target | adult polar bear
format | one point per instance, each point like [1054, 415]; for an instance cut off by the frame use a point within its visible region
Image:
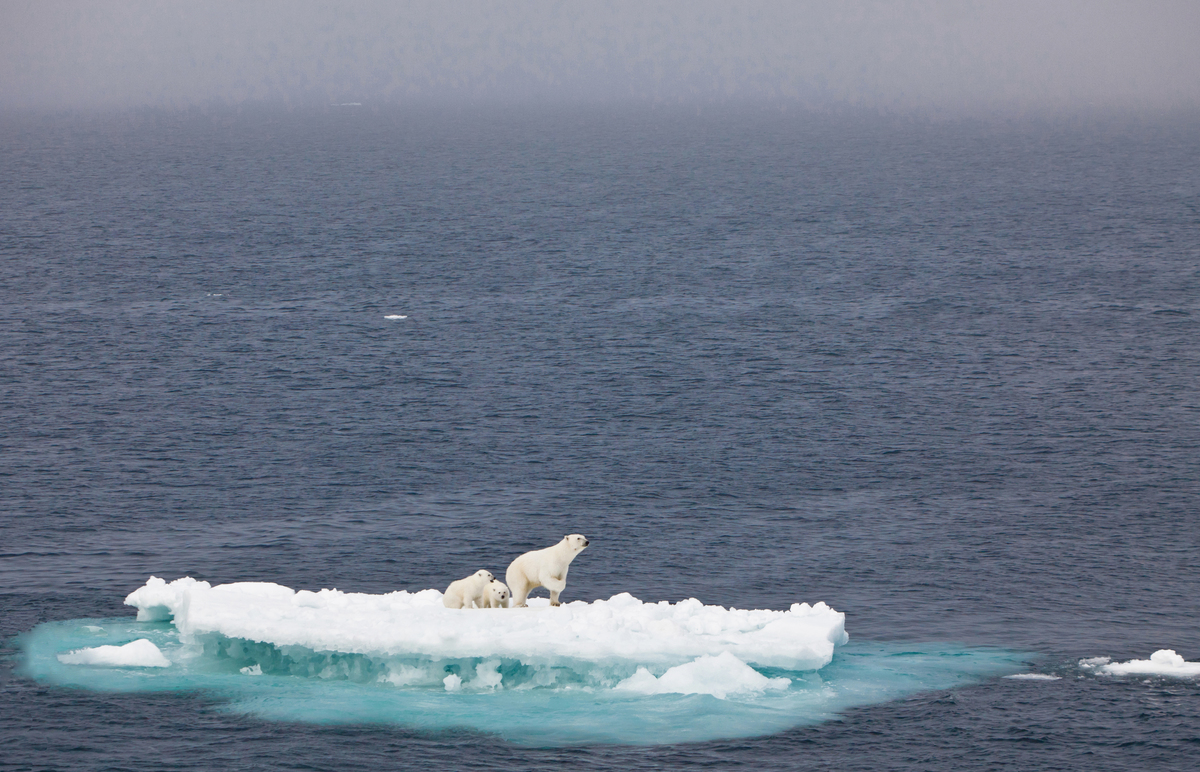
[543, 568]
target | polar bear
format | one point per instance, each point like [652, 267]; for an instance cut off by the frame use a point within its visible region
[470, 592]
[497, 594]
[544, 568]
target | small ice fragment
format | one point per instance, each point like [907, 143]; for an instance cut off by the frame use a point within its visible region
[719, 676]
[1033, 677]
[1164, 662]
[395, 316]
[139, 653]
[1094, 661]
[251, 670]
[93, 628]
[453, 683]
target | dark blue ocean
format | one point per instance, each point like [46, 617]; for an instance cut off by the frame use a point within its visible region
[941, 375]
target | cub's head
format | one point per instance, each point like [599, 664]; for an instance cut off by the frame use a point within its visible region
[576, 541]
[485, 575]
[499, 590]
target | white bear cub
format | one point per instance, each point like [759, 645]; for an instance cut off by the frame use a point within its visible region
[471, 592]
[497, 594]
[544, 568]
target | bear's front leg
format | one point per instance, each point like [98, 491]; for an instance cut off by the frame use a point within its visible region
[555, 585]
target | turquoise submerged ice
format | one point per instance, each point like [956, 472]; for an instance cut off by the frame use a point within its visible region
[616, 670]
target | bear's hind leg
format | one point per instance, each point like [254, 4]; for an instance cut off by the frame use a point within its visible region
[520, 591]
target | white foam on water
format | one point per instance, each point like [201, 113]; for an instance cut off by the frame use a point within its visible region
[1033, 677]
[395, 316]
[139, 653]
[1092, 662]
[1164, 662]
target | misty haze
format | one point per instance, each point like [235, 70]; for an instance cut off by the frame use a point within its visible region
[941, 57]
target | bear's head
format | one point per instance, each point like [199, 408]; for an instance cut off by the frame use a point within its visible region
[485, 575]
[499, 590]
[576, 541]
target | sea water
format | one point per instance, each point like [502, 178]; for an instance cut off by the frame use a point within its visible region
[939, 376]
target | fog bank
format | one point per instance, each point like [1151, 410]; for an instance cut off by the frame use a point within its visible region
[914, 55]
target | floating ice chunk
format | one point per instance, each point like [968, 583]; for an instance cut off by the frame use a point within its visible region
[719, 676]
[621, 629]
[251, 670]
[139, 653]
[395, 316]
[1034, 677]
[453, 683]
[1162, 662]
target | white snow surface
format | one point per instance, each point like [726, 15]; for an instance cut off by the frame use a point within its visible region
[621, 628]
[139, 653]
[719, 676]
[1163, 662]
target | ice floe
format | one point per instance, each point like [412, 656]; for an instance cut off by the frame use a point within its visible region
[621, 629]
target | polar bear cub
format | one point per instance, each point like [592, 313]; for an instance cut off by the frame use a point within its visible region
[497, 594]
[544, 568]
[471, 592]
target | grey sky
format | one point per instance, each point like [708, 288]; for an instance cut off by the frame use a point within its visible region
[910, 54]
